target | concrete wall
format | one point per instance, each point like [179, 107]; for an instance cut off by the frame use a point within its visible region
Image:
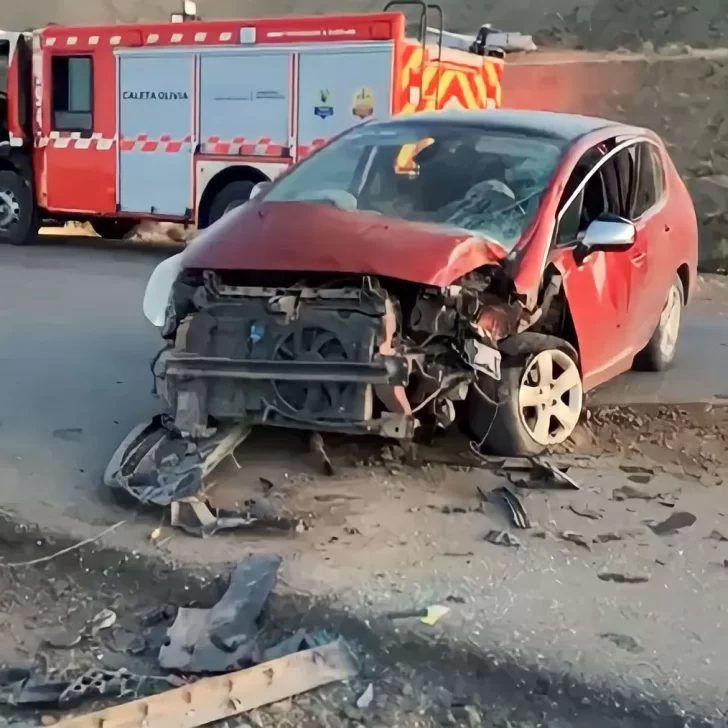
[684, 98]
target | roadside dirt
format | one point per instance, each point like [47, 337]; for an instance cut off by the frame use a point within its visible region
[51, 602]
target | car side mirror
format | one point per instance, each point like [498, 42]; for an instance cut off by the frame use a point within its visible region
[260, 188]
[608, 233]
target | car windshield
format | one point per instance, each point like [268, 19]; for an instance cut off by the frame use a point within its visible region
[456, 176]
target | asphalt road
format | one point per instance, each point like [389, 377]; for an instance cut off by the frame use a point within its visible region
[74, 361]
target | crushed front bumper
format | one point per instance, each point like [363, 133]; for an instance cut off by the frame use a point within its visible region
[315, 359]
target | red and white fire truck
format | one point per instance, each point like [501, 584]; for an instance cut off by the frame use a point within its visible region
[179, 121]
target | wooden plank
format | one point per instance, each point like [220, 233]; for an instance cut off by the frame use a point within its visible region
[225, 696]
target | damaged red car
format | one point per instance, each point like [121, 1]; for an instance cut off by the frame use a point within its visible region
[484, 267]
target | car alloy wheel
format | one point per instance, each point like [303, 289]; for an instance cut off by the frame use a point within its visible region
[550, 397]
[670, 323]
[9, 210]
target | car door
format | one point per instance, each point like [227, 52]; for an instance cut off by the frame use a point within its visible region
[605, 290]
[656, 264]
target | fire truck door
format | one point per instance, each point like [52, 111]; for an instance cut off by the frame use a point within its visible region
[156, 133]
[342, 86]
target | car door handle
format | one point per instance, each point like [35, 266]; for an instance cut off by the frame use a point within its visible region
[638, 258]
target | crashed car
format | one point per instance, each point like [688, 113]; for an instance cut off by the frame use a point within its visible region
[486, 267]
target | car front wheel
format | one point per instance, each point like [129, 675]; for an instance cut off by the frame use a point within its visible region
[537, 403]
[660, 352]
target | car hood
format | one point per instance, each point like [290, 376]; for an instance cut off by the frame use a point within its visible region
[306, 237]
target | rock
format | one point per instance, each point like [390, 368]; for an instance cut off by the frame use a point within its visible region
[48, 720]
[502, 538]
[623, 578]
[716, 535]
[623, 641]
[676, 522]
[576, 538]
[366, 698]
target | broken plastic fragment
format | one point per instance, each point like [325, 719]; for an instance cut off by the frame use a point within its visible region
[434, 614]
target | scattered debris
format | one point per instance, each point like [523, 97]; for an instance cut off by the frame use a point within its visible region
[541, 474]
[318, 448]
[623, 641]
[628, 492]
[103, 620]
[585, 512]
[716, 535]
[96, 682]
[640, 478]
[576, 538]
[434, 614]
[225, 696]
[502, 538]
[518, 514]
[636, 470]
[225, 637]
[676, 522]
[157, 466]
[366, 698]
[623, 578]
[197, 518]
[124, 641]
[609, 537]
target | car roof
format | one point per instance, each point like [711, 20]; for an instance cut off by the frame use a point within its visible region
[550, 124]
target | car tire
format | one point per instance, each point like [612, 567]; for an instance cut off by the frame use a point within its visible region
[660, 352]
[111, 228]
[233, 195]
[19, 218]
[518, 416]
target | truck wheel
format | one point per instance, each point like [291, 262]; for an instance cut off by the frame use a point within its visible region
[660, 352]
[233, 195]
[113, 229]
[536, 404]
[19, 220]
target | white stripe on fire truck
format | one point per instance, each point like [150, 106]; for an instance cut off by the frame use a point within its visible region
[151, 39]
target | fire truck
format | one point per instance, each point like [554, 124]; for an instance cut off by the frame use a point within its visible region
[180, 121]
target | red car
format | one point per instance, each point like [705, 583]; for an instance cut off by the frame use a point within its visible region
[489, 267]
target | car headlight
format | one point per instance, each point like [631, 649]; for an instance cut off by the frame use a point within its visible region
[159, 289]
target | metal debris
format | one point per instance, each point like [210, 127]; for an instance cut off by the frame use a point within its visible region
[225, 637]
[541, 474]
[676, 522]
[518, 514]
[502, 538]
[103, 620]
[100, 682]
[585, 512]
[576, 538]
[318, 448]
[197, 518]
[623, 578]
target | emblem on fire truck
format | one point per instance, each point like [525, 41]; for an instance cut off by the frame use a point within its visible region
[363, 105]
[324, 109]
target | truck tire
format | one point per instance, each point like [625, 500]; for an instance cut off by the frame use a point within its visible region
[504, 421]
[113, 228]
[19, 219]
[233, 195]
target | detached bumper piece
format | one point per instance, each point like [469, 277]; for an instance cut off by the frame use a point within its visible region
[155, 466]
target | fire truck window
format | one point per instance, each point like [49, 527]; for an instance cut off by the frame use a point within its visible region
[72, 84]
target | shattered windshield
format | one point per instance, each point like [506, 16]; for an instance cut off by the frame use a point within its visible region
[452, 175]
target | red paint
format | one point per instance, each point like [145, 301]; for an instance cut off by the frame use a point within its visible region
[307, 237]
[615, 298]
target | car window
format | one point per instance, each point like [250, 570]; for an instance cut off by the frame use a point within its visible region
[452, 175]
[651, 183]
[610, 191]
